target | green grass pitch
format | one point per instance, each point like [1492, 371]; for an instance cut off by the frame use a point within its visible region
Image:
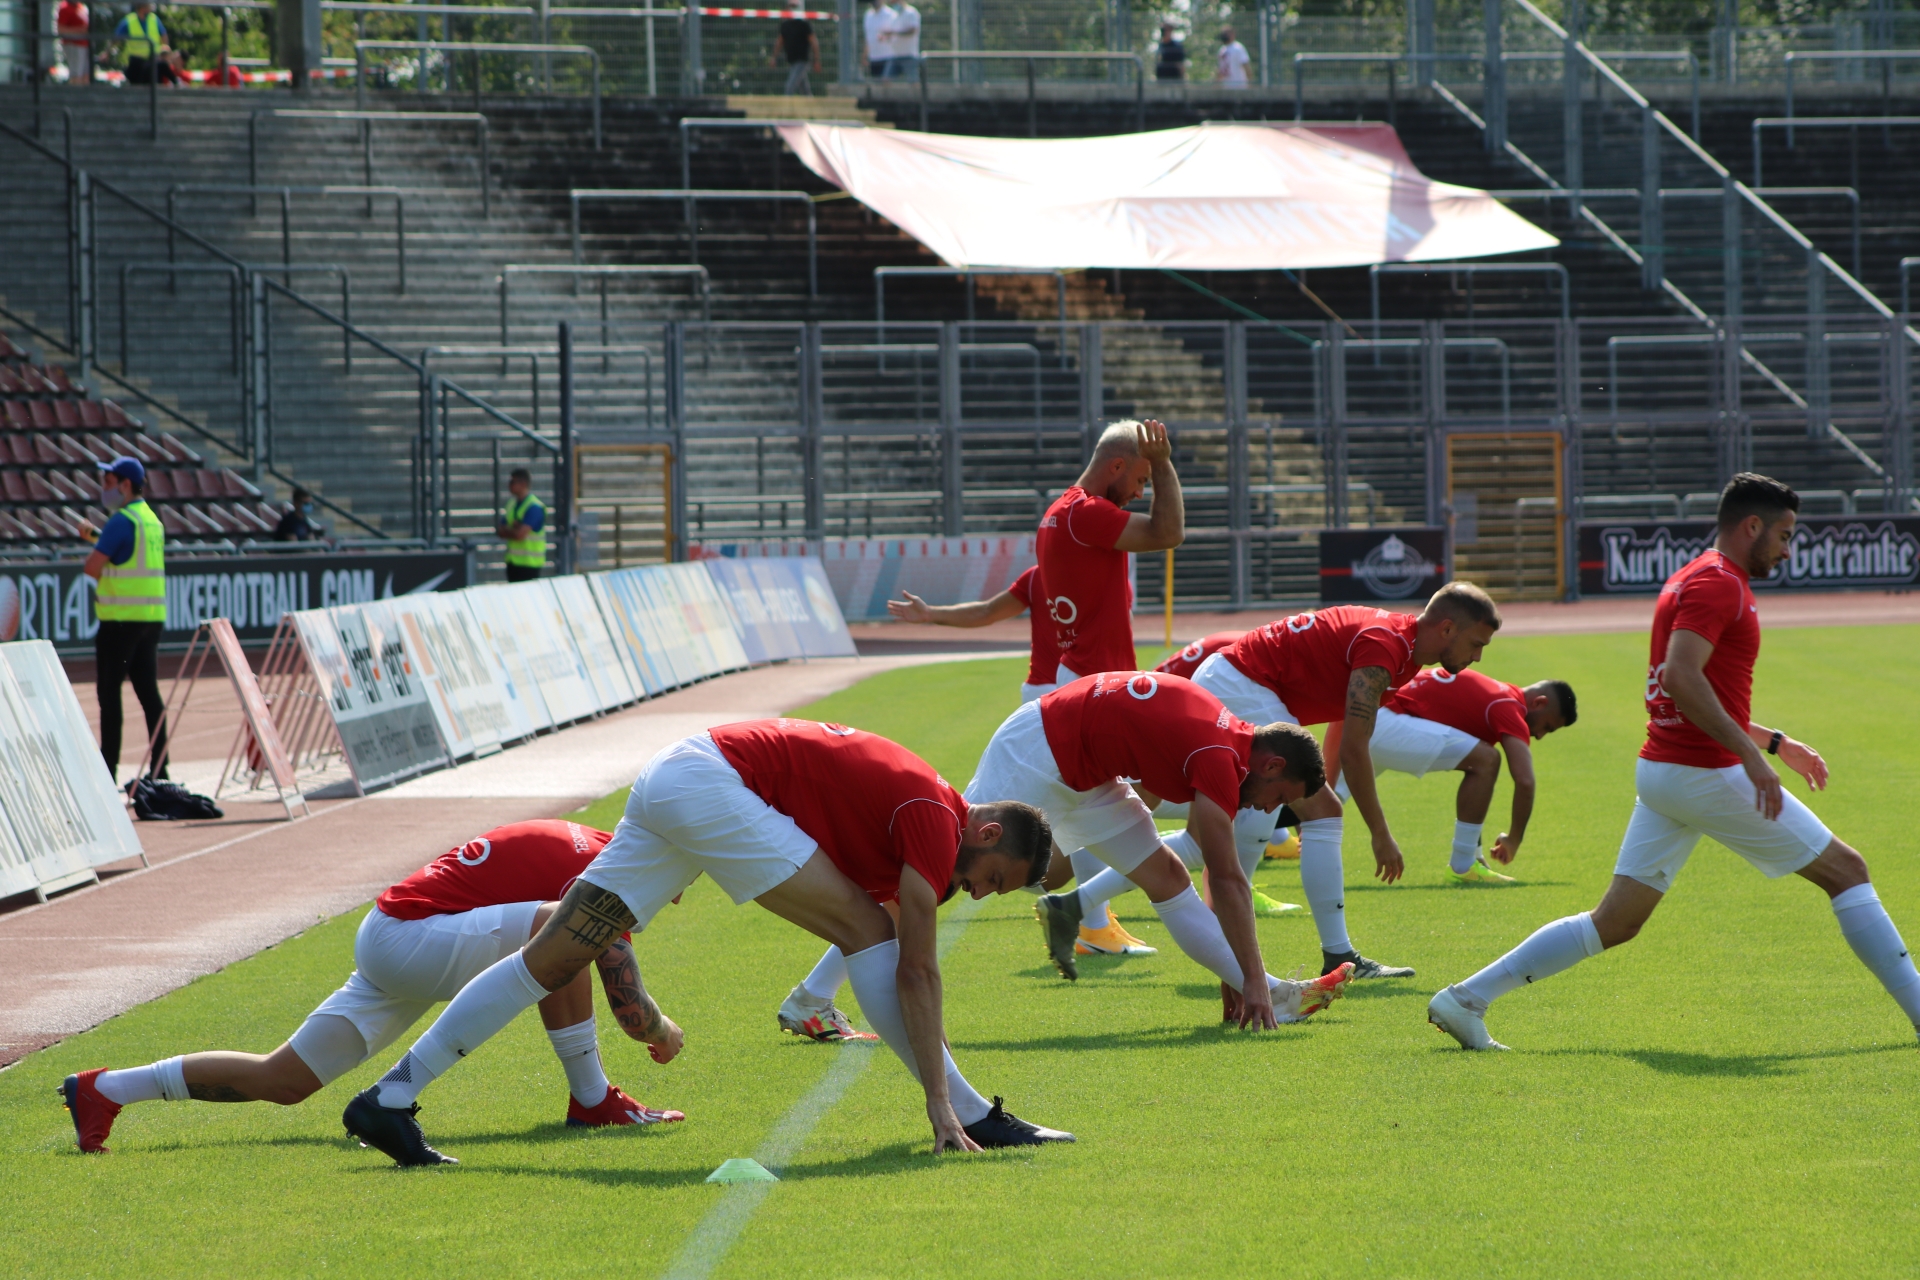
[1730, 1094]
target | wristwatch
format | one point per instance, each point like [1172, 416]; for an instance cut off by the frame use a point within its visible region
[1773, 747]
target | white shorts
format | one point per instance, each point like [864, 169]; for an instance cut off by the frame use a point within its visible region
[402, 968]
[690, 812]
[1408, 744]
[1241, 694]
[1034, 692]
[1062, 674]
[1678, 803]
[1110, 822]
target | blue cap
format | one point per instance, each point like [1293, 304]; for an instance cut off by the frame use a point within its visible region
[127, 468]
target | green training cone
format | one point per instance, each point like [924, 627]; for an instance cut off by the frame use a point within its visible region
[741, 1171]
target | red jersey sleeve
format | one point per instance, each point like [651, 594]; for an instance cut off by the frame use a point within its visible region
[1509, 719]
[1708, 603]
[926, 837]
[1215, 773]
[1377, 647]
[1095, 522]
[1021, 588]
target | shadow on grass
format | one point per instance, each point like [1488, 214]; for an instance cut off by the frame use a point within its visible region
[1141, 1038]
[902, 1157]
[539, 1135]
[1374, 886]
[1678, 1062]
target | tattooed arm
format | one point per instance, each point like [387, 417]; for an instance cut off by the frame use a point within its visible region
[1364, 689]
[632, 1007]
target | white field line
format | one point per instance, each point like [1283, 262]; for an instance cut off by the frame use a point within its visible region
[724, 1223]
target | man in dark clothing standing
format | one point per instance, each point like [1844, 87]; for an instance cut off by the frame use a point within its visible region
[800, 47]
[1170, 60]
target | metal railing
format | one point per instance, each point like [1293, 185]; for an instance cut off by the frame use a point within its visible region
[883, 274]
[367, 119]
[286, 195]
[1885, 57]
[689, 198]
[476, 48]
[1470, 270]
[1030, 57]
[688, 124]
[605, 272]
[1791, 124]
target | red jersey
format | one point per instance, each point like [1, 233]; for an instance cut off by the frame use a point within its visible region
[871, 805]
[523, 862]
[1042, 657]
[1186, 661]
[1169, 733]
[1470, 702]
[1307, 659]
[1712, 597]
[1088, 596]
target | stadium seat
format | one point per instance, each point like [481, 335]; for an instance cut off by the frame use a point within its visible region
[18, 417]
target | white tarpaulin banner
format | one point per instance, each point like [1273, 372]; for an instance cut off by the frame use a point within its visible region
[1226, 197]
[576, 609]
[511, 645]
[377, 700]
[468, 701]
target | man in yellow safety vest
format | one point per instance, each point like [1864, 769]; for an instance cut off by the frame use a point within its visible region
[523, 527]
[143, 38]
[129, 563]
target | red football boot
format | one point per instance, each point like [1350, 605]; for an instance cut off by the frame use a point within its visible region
[93, 1114]
[615, 1108]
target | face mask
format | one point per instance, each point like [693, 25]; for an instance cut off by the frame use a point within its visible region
[112, 499]
[306, 508]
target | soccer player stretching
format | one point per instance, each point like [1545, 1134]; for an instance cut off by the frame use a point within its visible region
[1702, 772]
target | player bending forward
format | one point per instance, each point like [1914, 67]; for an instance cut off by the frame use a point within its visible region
[1067, 753]
[819, 824]
[424, 940]
[1334, 666]
[1443, 720]
[1702, 772]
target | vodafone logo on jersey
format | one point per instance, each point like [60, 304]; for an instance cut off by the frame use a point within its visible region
[1192, 652]
[839, 730]
[1143, 686]
[1063, 611]
[1300, 622]
[481, 849]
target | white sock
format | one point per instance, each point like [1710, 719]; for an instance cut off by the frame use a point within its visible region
[1093, 911]
[875, 975]
[1107, 885]
[578, 1049]
[1197, 931]
[1466, 846]
[1872, 935]
[485, 1005]
[1552, 948]
[1253, 831]
[165, 1079]
[1325, 883]
[827, 976]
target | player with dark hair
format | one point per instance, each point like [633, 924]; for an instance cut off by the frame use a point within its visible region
[1442, 720]
[1067, 754]
[1704, 772]
[819, 824]
[422, 941]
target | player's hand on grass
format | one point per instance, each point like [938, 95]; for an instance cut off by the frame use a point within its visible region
[1504, 849]
[1229, 1004]
[912, 609]
[666, 1044]
[1767, 795]
[1155, 446]
[1256, 1008]
[1805, 761]
[948, 1134]
[1388, 865]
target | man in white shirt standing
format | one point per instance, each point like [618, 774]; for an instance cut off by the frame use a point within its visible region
[879, 40]
[1234, 61]
[903, 30]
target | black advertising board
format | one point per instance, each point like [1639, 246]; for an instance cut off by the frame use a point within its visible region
[1361, 566]
[1828, 553]
[55, 601]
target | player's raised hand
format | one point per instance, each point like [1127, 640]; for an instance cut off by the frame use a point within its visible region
[1766, 786]
[1388, 865]
[1504, 849]
[948, 1133]
[912, 609]
[1155, 445]
[667, 1041]
[1805, 761]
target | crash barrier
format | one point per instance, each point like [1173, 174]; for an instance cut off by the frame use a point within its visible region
[60, 813]
[864, 573]
[415, 683]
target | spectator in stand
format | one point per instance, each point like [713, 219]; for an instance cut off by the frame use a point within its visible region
[129, 564]
[1234, 61]
[523, 527]
[797, 42]
[73, 23]
[171, 67]
[904, 30]
[879, 40]
[143, 38]
[225, 76]
[1170, 59]
[298, 524]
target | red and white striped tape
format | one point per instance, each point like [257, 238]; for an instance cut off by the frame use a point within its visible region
[817, 15]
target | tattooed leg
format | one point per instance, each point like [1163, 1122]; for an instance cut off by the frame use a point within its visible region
[279, 1077]
[588, 921]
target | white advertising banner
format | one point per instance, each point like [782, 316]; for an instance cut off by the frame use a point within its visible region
[531, 610]
[62, 813]
[507, 642]
[576, 610]
[625, 635]
[1215, 196]
[469, 702]
[375, 695]
[704, 614]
